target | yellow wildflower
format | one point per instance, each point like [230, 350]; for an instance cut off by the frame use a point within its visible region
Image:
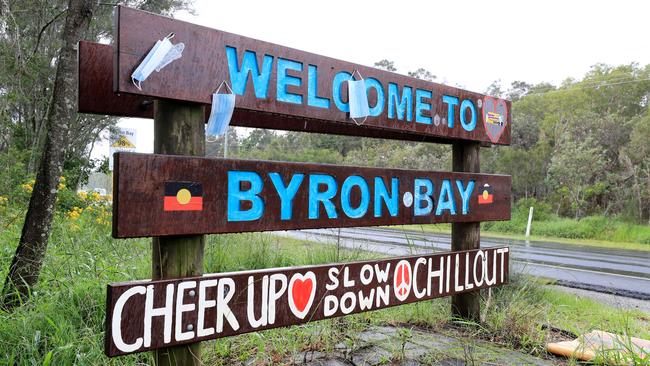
[95, 196]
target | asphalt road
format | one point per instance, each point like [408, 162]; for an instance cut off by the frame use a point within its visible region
[620, 272]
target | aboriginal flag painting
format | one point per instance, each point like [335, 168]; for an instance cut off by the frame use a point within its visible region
[183, 196]
[485, 194]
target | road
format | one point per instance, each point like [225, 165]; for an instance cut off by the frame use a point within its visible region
[620, 272]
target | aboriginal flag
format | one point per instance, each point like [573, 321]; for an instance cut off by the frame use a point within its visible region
[183, 196]
[485, 194]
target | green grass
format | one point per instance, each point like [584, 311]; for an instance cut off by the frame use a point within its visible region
[62, 323]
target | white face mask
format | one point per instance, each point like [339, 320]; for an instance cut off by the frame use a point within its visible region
[162, 53]
[358, 99]
[222, 107]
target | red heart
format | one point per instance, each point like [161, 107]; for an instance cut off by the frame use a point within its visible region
[301, 293]
[497, 121]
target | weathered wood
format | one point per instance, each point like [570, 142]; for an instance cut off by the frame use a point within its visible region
[96, 96]
[227, 304]
[146, 202]
[178, 130]
[297, 87]
[467, 235]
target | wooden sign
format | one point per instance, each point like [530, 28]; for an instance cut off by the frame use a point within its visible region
[288, 89]
[145, 315]
[158, 195]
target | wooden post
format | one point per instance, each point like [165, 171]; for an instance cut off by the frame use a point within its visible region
[178, 130]
[466, 235]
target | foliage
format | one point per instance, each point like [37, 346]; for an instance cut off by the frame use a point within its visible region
[580, 148]
[63, 322]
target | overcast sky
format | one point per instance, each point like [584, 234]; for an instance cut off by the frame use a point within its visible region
[465, 43]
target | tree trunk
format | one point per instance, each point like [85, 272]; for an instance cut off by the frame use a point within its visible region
[28, 259]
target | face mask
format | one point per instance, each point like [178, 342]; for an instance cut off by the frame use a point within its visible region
[358, 100]
[174, 54]
[162, 53]
[222, 107]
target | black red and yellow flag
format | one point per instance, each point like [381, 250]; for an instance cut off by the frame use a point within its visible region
[183, 196]
[485, 194]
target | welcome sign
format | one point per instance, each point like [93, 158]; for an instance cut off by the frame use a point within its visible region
[144, 315]
[193, 195]
[292, 88]
[278, 87]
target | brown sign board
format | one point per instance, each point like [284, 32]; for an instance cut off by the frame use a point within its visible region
[159, 195]
[145, 315]
[283, 88]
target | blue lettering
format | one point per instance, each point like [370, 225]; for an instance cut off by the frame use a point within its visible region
[339, 79]
[381, 193]
[465, 193]
[405, 104]
[315, 180]
[312, 89]
[446, 200]
[285, 80]
[422, 106]
[463, 106]
[379, 106]
[419, 197]
[239, 77]
[236, 195]
[346, 189]
[451, 101]
[286, 194]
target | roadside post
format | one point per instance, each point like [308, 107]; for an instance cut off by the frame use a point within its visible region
[530, 221]
[176, 195]
[178, 130]
[466, 236]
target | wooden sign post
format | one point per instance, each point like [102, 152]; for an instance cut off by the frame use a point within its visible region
[176, 196]
[466, 236]
[178, 130]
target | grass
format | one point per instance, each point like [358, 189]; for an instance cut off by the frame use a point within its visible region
[62, 323]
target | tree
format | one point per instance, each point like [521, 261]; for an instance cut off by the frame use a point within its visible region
[386, 65]
[422, 74]
[575, 167]
[26, 264]
[37, 108]
[495, 89]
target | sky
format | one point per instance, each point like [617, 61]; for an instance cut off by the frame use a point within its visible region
[464, 43]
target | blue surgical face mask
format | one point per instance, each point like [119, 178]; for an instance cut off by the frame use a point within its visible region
[153, 59]
[222, 107]
[358, 99]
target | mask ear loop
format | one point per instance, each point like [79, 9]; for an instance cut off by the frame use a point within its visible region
[216, 91]
[352, 79]
[137, 85]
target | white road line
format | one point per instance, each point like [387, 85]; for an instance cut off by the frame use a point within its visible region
[582, 270]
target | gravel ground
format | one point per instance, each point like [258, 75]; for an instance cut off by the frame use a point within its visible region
[612, 300]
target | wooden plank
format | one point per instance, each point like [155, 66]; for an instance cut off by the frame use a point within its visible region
[298, 88]
[95, 91]
[227, 196]
[178, 129]
[96, 96]
[189, 310]
[466, 235]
